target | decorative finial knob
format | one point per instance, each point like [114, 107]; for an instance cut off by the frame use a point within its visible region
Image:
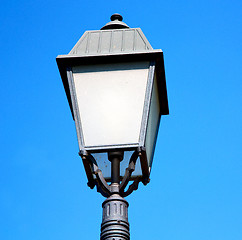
[116, 16]
[116, 23]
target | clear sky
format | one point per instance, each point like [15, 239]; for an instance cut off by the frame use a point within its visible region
[196, 185]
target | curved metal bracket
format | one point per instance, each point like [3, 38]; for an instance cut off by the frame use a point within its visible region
[106, 190]
[134, 186]
[101, 184]
[91, 182]
[128, 172]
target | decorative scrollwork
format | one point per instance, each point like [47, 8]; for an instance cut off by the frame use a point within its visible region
[99, 181]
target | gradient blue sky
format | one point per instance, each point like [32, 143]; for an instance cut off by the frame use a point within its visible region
[196, 186]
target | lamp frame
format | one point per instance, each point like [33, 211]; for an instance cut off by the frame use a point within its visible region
[156, 67]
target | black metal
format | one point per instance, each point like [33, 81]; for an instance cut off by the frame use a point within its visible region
[115, 157]
[128, 172]
[102, 186]
[115, 225]
[116, 16]
[91, 182]
[88, 169]
[134, 186]
[115, 170]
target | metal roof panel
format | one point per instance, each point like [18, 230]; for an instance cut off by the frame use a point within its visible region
[129, 40]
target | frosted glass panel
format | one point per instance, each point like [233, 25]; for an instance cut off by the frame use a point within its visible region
[153, 123]
[110, 100]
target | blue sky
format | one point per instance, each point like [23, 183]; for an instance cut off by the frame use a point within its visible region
[196, 186]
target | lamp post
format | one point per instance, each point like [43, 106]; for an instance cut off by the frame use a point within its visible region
[116, 88]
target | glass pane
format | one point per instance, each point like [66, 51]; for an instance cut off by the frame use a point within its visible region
[153, 123]
[110, 100]
[105, 165]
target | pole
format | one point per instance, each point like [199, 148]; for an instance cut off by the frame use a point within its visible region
[115, 225]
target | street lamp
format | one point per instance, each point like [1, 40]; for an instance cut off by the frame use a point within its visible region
[116, 88]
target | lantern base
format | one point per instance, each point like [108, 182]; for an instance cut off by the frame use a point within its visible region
[115, 225]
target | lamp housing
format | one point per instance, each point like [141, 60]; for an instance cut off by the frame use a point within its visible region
[116, 88]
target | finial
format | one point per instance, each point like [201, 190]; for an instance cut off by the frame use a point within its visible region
[116, 23]
[116, 16]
